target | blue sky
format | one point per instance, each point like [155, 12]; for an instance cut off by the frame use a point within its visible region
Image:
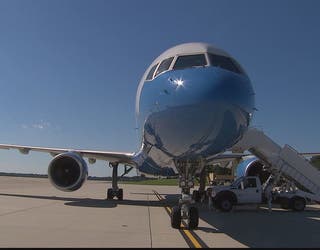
[69, 69]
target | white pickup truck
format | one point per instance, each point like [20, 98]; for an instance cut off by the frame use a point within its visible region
[248, 190]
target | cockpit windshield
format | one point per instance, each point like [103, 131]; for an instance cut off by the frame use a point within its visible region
[190, 61]
[195, 60]
[164, 65]
[150, 74]
[225, 63]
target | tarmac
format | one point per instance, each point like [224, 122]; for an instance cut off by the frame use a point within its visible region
[35, 214]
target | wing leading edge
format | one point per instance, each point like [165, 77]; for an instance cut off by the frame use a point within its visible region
[92, 155]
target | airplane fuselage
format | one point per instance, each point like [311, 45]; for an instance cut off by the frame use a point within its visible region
[189, 113]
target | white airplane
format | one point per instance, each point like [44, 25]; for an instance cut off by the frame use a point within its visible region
[193, 103]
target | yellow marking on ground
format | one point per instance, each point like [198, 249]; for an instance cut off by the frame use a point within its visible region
[183, 228]
[193, 240]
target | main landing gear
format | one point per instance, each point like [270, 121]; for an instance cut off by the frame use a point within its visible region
[115, 191]
[186, 209]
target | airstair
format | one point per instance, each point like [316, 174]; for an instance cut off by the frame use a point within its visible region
[284, 161]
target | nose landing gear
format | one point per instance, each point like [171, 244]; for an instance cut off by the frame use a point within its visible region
[186, 210]
[188, 213]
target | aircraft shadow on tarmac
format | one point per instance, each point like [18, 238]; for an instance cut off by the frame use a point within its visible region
[259, 228]
[99, 203]
[251, 227]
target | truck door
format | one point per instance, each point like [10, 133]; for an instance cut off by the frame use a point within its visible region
[249, 192]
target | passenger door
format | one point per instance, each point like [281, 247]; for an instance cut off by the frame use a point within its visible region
[248, 192]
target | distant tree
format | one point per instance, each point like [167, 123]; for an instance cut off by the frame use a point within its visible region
[315, 161]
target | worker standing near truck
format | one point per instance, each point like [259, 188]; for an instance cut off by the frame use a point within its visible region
[268, 192]
[209, 195]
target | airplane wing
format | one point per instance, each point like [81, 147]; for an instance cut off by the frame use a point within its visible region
[92, 155]
[228, 157]
[120, 157]
[224, 158]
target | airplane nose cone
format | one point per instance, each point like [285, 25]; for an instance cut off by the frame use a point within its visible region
[199, 111]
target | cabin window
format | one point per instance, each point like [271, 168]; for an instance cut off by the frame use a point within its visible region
[225, 63]
[164, 65]
[150, 75]
[190, 61]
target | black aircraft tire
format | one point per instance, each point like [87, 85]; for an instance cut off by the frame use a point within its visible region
[193, 220]
[120, 194]
[109, 194]
[196, 195]
[176, 217]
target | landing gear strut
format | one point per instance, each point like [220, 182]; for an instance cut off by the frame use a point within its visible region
[200, 194]
[186, 209]
[115, 191]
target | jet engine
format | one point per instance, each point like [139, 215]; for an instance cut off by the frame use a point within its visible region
[253, 167]
[68, 171]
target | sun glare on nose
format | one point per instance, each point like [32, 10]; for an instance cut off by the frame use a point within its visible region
[178, 82]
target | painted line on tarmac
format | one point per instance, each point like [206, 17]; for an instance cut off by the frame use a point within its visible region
[192, 239]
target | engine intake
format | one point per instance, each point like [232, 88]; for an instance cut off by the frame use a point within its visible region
[253, 167]
[68, 171]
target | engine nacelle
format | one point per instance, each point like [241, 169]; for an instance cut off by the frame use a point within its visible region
[253, 167]
[68, 171]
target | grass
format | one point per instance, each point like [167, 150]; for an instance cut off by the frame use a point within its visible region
[164, 182]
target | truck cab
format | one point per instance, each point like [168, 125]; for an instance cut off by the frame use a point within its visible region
[244, 190]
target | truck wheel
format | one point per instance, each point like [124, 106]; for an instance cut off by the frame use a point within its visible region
[285, 203]
[225, 204]
[298, 204]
